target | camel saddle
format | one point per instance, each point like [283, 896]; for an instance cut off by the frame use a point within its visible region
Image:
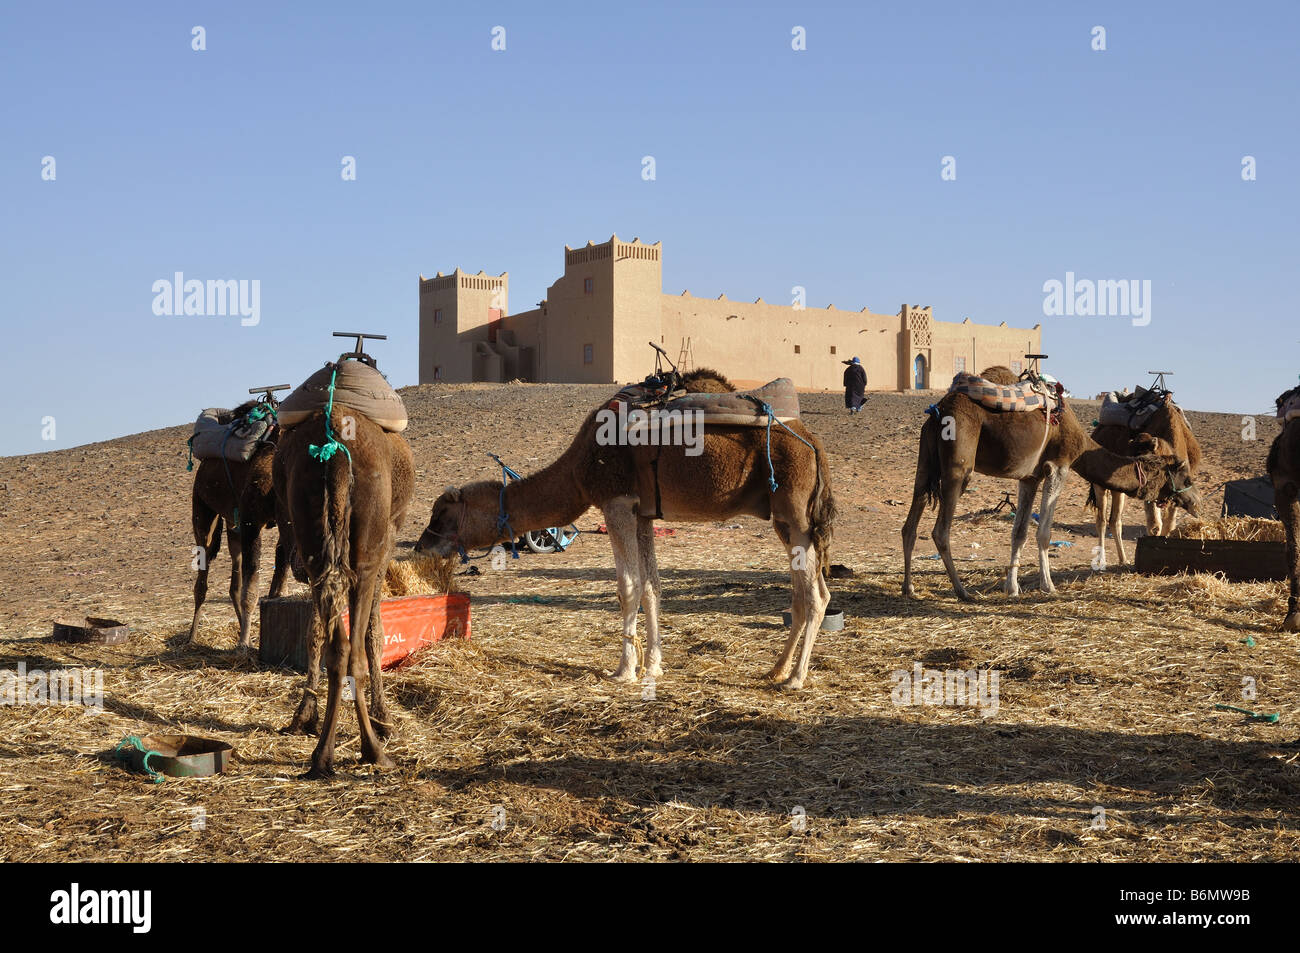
[1123, 409]
[730, 409]
[218, 434]
[358, 386]
[1026, 394]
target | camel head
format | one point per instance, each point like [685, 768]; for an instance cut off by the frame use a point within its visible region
[1157, 456]
[463, 517]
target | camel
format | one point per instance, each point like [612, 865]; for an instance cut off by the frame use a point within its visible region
[1174, 437]
[1284, 471]
[728, 479]
[346, 512]
[1019, 446]
[221, 486]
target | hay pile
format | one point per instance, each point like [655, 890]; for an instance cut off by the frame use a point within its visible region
[1242, 528]
[420, 576]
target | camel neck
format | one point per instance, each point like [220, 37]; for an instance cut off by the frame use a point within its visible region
[544, 499]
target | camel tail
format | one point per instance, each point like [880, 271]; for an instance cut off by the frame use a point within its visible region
[822, 512]
[335, 581]
[1091, 502]
[928, 464]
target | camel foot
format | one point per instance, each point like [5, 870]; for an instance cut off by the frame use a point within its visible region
[1292, 623]
[317, 773]
[302, 726]
[654, 671]
[792, 684]
[380, 760]
[964, 595]
[1047, 590]
[779, 673]
[624, 675]
[383, 727]
[909, 590]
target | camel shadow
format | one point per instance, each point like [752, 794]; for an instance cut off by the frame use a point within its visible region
[869, 766]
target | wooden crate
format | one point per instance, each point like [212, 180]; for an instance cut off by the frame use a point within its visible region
[410, 623]
[1238, 560]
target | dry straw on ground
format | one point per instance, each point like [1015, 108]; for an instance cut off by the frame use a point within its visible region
[1243, 528]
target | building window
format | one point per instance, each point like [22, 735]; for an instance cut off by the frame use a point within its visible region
[588, 285]
[832, 348]
[437, 315]
[586, 350]
[437, 371]
[1015, 367]
[959, 365]
[796, 348]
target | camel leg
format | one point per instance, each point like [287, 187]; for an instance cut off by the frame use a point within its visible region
[1169, 518]
[337, 653]
[953, 483]
[1155, 522]
[621, 523]
[1102, 496]
[1118, 500]
[649, 571]
[306, 719]
[925, 463]
[251, 540]
[781, 670]
[235, 545]
[1019, 531]
[207, 534]
[1289, 509]
[365, 601]
[281, 569]
[379, 715]
[1053, 483]
[810, 601]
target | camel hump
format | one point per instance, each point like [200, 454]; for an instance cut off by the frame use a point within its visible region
[999, 374]
[705, 380]
[357, 385]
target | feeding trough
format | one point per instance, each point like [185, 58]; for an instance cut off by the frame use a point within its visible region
[410, 623]
[1239, 560]
[92, 631]
[176, 756]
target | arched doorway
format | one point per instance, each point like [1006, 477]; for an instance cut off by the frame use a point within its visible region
[920, 372]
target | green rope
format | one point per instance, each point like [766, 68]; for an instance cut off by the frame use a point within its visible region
[135, 742]
[1250, 715]
[190, 443]
[326, 450]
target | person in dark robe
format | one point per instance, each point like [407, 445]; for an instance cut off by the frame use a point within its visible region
[855, 385]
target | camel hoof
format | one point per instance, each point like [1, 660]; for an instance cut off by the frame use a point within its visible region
[792, 684]
[964, 596]
[383, 728]
[381, 761]
[1292, 623]
[302, 726]
[317, 774]
[654, 671]
[624, 676]
[778, 674]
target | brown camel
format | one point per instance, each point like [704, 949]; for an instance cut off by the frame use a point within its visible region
[346, 512]
[221, 486]
[1284, 471]
[729, 478]
[1021, 446]
[1175, 438]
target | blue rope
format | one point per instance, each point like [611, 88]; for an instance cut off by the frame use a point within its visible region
[326, 450]
[503, 518]
[773, 486]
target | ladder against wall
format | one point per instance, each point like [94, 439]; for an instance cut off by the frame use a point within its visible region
[686, 358]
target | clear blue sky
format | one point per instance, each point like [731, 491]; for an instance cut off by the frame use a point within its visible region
[775, 168]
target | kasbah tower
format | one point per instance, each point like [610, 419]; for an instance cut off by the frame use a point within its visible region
[595, 322]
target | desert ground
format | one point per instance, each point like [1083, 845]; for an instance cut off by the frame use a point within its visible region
[516, 745]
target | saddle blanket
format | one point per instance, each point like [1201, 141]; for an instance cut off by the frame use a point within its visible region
[1130, 410]
[358, 387]
[1018, 397]
[734, 408]
[217, 435]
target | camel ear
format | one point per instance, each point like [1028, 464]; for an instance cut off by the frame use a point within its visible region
[451, 494]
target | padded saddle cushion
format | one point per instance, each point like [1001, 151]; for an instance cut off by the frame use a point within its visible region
[358, 386]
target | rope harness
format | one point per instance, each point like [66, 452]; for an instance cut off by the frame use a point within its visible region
[503, 518]
[324, 451]
[763, 405]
